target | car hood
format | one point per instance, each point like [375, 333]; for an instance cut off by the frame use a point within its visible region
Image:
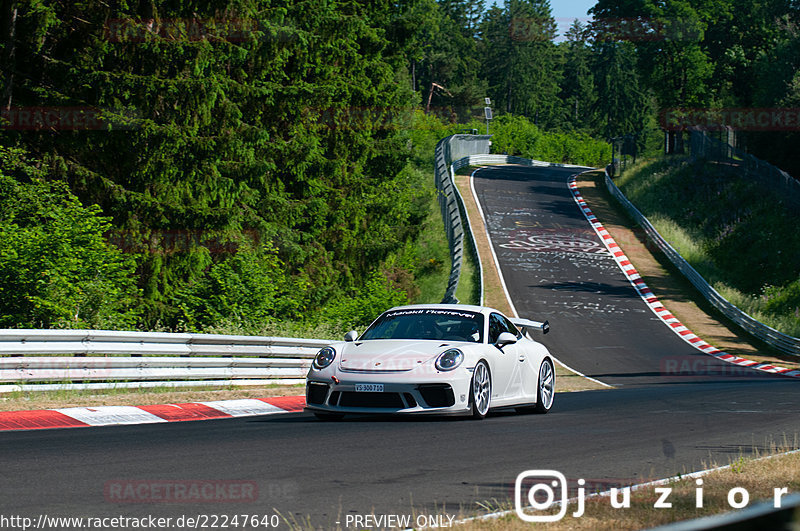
[385, 355]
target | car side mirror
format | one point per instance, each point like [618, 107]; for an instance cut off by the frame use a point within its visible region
[505, 338]
[351, 336]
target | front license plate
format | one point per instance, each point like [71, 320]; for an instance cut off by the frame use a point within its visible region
[369, 388]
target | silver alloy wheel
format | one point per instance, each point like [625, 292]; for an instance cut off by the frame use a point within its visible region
[481, 390]
[547, 381]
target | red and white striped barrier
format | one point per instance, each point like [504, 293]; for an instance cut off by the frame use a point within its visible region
[655, 305]
[81, 417]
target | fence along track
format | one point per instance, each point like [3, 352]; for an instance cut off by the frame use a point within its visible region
[57, 359]
[452, 206]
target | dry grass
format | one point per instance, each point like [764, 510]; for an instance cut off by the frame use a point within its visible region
[494, 295]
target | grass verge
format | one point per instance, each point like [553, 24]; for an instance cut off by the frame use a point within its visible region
[739, 235]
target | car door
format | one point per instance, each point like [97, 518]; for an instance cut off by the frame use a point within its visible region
[507, 377]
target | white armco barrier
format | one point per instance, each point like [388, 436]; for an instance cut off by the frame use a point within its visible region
[94, 359]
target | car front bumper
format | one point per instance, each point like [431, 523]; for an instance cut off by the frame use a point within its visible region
[444, 394]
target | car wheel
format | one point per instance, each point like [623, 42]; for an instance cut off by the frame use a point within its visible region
[546, 388]
[328, 416]
[480, 390]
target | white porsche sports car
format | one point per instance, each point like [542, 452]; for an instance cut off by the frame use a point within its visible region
[445, 359]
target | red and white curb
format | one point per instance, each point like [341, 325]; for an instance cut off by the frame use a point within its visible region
[655, 305]
[80, 417]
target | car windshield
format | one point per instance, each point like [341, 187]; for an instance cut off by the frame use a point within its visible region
[435, 324]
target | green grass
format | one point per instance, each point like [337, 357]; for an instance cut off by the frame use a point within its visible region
[740, 236]
[468, 291]
[433, 256]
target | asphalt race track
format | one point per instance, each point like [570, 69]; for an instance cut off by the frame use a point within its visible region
[556, 268]
[654, 424]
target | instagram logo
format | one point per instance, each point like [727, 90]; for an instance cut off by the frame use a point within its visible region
[541, 495]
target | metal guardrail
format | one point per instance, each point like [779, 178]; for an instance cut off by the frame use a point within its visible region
[774, 338]
[451, 215]
[468, 227]
[450, 200]
[49, 359]
[479, 159]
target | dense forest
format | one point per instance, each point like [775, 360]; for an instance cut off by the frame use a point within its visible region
[172, 164]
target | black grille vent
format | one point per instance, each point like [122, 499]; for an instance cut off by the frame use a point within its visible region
[334, 399]
[437, 395]
[316, 393]
[410, 399]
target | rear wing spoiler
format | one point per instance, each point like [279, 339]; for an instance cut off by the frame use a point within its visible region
[527, 324]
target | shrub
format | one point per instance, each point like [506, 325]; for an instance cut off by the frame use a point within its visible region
[56, 268]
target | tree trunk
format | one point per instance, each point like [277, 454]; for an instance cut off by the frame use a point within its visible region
[430, 96]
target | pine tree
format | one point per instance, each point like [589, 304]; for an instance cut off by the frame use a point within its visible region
[577, 87]
[521, 60]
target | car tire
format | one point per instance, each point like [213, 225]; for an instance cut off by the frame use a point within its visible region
[480, 390]
[545, 387]
[327, 417]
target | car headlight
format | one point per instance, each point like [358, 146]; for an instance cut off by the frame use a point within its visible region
[324, 358]
[449, 359]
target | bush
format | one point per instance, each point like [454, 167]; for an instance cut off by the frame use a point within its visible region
[360, 308]
[247, 288]
[515, 135]
[56, 268]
